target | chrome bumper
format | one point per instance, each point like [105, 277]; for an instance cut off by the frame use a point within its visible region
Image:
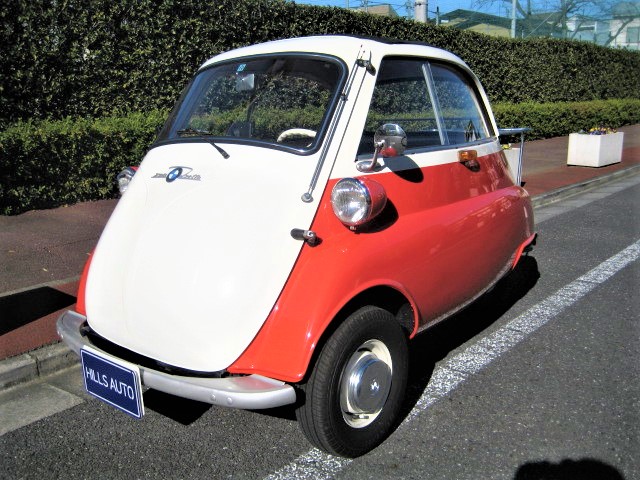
[250, 392]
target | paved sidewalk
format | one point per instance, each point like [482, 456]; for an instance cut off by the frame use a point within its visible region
[42, 254]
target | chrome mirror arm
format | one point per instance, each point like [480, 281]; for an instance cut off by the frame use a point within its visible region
[368, 167]
[390, 140]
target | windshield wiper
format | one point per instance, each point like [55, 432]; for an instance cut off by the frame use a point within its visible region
[194, 132]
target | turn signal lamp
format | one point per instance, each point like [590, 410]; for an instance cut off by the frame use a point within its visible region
[467, 156]
[356, 201]
[124, 178]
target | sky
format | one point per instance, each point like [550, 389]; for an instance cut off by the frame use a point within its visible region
[399, 5]
[494, 7]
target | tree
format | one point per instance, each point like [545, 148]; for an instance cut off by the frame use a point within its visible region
[566, 17]
[622, 15]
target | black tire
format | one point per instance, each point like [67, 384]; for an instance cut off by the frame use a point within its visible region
[368, 350]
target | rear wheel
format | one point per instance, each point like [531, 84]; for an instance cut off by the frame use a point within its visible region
[355, 391]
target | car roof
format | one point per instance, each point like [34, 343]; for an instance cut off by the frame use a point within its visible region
[345, 47]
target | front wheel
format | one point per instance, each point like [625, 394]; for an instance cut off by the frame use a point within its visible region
[355, 391]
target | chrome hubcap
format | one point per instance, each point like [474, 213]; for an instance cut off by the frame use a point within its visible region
[365, 384]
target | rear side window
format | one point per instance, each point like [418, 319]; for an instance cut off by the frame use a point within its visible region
[462, 117]
[434, 104]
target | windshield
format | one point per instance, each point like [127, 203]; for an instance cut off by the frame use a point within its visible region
[283, 101]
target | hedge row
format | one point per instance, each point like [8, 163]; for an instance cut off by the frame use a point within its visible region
[548, 120]
[45, 164]
[99, 57]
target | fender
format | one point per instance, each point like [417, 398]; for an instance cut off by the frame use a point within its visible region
[82, 287]
[527, 244]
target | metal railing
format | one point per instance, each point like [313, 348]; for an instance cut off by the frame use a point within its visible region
[510, 132]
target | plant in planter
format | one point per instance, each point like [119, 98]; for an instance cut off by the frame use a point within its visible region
[600, 131]
[598, 147]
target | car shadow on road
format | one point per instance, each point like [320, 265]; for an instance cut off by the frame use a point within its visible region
[583, 469]
[20, 309]
[425, 350]
[437, 342]
[178, 409]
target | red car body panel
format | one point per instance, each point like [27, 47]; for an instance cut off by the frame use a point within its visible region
[459, 225]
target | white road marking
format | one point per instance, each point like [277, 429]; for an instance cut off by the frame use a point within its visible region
[23, 407]
[446, 378]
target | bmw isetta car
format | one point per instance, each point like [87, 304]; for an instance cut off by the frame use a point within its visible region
[310, 206]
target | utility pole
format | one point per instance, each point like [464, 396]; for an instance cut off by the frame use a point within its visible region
[420, 11]
[513, 18]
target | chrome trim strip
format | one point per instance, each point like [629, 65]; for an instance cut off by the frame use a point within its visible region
[437, 111]
[249, 392]
[307, 197]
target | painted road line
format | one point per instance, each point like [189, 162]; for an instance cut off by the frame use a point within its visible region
[315, 464]
[42, 401]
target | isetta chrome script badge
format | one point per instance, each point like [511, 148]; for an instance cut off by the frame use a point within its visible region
[178, 173]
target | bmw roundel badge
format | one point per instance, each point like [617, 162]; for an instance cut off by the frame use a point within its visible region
[178, 173]
[173, 174]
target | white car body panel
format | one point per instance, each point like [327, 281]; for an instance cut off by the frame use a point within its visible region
[152, 271]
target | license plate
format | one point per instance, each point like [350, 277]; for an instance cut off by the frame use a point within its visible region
[112, 381]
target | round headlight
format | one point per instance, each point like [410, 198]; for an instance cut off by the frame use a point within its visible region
[124, 178]
[355, 201]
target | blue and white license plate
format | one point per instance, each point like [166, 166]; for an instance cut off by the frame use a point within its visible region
[112, 381]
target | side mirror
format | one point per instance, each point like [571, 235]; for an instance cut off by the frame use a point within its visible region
[390, 140]
[245, 82]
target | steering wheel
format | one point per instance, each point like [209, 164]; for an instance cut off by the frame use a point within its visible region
[293, 132]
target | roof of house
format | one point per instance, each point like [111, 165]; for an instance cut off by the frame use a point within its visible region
[467, 19]
[470, 18]
[385, 10]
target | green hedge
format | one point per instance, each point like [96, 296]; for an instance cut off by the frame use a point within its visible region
[548, 120]
[45, 164]
[98, 57]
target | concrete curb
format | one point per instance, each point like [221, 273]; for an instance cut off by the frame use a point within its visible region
[37, 363]
[52, 284]
[52, 358]
[565, 192]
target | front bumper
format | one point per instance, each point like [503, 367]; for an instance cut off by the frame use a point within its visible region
[249, 392]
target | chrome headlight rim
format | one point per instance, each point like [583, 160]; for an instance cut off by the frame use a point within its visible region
[123, 179]
[357, 200]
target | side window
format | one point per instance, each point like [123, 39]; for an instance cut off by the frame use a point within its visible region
[432, 102]
[401, 96]
[462, 116]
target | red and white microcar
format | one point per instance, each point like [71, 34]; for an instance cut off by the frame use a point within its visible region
[310, 205]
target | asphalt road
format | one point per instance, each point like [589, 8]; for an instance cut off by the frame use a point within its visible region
[538, 380]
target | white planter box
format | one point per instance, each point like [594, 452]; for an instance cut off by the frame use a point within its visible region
[594, 150]
[513, 159]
